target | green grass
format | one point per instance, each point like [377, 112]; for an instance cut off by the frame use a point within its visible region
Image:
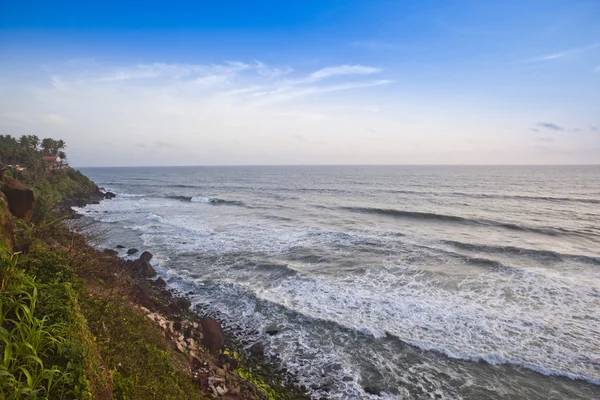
[38, 356]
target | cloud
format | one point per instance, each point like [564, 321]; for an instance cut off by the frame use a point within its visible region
[550, 125]
[597, 69]
[562, 54]
[595, 128]
[341, 70]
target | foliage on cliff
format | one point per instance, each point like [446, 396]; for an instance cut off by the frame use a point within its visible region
[28, 150]
[68, 329]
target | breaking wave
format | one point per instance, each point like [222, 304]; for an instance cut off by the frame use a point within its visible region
[456, 219]
[207, 200]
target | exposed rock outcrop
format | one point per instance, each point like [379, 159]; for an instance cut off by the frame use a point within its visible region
[142, 267]
[213, 338]
[20, 198]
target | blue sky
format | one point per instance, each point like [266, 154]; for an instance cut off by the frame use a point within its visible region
[305, 82]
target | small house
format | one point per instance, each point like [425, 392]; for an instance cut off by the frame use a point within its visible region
[53, 161]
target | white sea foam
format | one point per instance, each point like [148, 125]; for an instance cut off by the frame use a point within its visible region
[519, 311]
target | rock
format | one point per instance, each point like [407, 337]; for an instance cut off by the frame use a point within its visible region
[236, 390]
[145, 257]
[183, 303]
[372, 390]
[140, 268]
[160, 283]
[110, 252]
[19, 197]
[109, 195]
[221, 390]
[213, 338]
[120, 246]
[177, 326]
[272, 330]
[145, 269]
[133, 251]
[144, 298]
[195, 364]
[257, 349]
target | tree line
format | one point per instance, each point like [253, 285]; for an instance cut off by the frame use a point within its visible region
[28, 150]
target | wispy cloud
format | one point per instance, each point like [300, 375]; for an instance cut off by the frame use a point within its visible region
[561, 54]
[597, 69]
[550, 125]
[341, 70]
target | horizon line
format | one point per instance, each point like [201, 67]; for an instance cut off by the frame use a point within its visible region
[341, 165]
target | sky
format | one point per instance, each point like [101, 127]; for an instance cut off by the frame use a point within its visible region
[139, 83]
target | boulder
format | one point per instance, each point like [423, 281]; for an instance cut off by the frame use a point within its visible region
[372, 390]
[160, 283]
[272, 330]
[213, 337]
[110, 252]
[144, 298]
[146, 256]
[19, 197]
[141, 266]
[144, 269]
[132, 252]
[119, 246]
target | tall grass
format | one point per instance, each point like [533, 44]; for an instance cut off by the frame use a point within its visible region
[25, 340]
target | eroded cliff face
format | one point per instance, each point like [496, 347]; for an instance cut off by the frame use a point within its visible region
[20, 198]
[6, 226]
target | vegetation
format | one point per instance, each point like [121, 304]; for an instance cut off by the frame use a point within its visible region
[28, 150]
[67, 327]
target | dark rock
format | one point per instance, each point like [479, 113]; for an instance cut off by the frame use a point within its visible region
[213, 338]
[272, 330]
[120, 246]
[110, 252]
[372, 390]
[257, 349]
[195, 364]
[177, 326]
[146, 269]
[20, 198]
[109, 195]
[160, 283]
[347, 379]
[133, 251]
[146, 256]
[143, 297]
[183, 303]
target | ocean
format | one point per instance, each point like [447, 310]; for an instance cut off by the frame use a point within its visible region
[443, 282]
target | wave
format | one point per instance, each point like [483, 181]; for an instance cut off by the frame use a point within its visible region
[497, 358]
[500, 196]
[545, 254]
[454, 218]
[207, 200]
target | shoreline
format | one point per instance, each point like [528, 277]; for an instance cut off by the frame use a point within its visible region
[187, 329]
[134, 337]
